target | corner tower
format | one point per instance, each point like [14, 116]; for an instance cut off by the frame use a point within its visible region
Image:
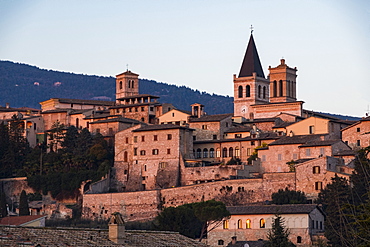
[282, 83]
[250, 87]
[127, 84]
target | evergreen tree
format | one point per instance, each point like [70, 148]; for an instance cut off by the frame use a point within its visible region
[278, 236]
[361, 177]
[23, 204]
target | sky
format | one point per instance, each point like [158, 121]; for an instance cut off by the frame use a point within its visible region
[200, 44]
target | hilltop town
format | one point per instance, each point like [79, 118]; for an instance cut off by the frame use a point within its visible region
[164, 156]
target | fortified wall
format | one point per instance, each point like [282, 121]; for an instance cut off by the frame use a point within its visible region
[145, 205]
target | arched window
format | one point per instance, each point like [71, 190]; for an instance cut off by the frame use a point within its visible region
[259, 91]
[194, 153]
[264, 92]
[211, 153]
[240, 92]
[129, 83]
[221, 242]
[240, 224]
[120, 85]
[224, 152]
[125, 156]
[132, 84]
[199, 153]
[280, 88]
[299, 239]
[262, 223]
[248, 224]
[237, 152]
[77, 122]
[205, 153]
[274, 84]
[218, 153]
[248, 91]
[231, 152]
[225, 224]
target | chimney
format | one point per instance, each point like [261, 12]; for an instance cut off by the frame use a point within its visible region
[7, 105]
[233, 240]
[116, 228]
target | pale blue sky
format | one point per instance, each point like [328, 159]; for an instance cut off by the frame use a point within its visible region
[200, 44]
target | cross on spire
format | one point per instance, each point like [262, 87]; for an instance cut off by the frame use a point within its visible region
[127, 67]
[251, 28]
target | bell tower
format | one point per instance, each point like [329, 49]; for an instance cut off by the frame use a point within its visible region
[282, 83]
[250, 87]
[127, 84]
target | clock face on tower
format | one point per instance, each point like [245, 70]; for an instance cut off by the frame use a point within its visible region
[244, 109]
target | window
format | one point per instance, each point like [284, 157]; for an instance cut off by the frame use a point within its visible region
[264, 92]
[308, 152]
[320, 225]
[299, 239]
[318, 185]
[143, 138]
[125, 156]
[211, 153]
[199, 153]
[224, 152]
[279, 157]
[262, 223]
[120, 85]
[358, 143]
[248, 91]
[135, 151]
[221, 242]
[136, 109]
[225, 224]
[237, 152]
[259, 91]
[238, 135]
[169, 136]
[263, 158]
[316, 170]
[280, 88]
[240, 92]
[194, 138]
[312, 129]
[162, 165]
[110, 131]
[77, 122]
[204, 127]
[275, 89]
[155, 138]
[218, 153]
[155, 151]
[205, 153]
[142, 108]
[135, 138]
[168, 151]
[240, 224]
[252, 143]
[295, 156]
[248, 224]
[97, 130]
[358, 129]
[214, 137]
[144, 168]
[231, 152]
[142, 152]
[249, 151]
[126, 140]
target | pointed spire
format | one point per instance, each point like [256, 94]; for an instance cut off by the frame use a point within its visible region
[251, 62]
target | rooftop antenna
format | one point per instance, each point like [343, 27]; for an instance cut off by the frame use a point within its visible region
[367, 113]
[251, 28]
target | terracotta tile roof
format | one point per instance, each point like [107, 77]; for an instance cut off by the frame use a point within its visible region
[57, 110]
[239, 129]
[119, 119]
[273, 209]
[211, 118]
[86, 101]
[15, 236]
[140, 96]
[298, 139]
[133, 105]
[345, 153]
[19, 220]
[262, 120]
[283, 124]
[320, 143]
[160, 127]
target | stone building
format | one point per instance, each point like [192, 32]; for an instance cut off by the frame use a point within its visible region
[358, 134]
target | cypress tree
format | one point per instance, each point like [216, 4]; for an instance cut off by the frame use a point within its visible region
[23, 204]
[278, 236]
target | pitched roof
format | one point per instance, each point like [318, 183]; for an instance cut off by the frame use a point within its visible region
[298, 139]
[239, 129]
[273, 209]
[251, 62]
[160, 127]
[319, 143]
[19, 220]
[31, 236]
[139, 96]
[85, 101]
[211, 118]
[118, 119]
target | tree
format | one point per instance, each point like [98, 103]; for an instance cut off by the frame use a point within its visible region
[288, 197]
[278, 236]
[23, 204]
[336, 200]
[193, 219]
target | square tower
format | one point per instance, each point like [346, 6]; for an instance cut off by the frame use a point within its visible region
[127, 84]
